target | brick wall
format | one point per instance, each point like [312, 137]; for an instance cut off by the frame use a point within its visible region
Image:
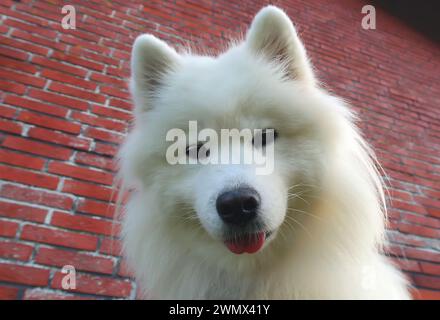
[64, 109]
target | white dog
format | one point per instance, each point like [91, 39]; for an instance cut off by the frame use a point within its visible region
[311, 229]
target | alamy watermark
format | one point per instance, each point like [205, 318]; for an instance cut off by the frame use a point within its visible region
[226, 146]
[68, 282]
[369, 20]
[69, 20]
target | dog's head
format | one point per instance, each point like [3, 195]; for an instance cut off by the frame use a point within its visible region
[265, 84]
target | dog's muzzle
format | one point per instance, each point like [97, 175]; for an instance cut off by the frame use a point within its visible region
[238, 209]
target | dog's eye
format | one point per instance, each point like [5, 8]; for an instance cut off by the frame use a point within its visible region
[265, 136]
[196, 151]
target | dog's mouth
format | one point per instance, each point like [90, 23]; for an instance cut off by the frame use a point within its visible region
[248, 242]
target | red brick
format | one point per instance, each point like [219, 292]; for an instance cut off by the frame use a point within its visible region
[78, 61]
[111, 246]
[17, 65]
[59, 237]
[8, 293]
[422, 220]
[21, 160]
[81, 261]
[121, 104]
[407, 239]
[106, 149]
[12, 87]
[66, 78]
[36, 106]
[29, 27]
[4, 29]
[111, 91]
[50, 63]
[45, 9]
[22, 78]
[58, 99]
[28, 177]
[423, 294]
[59, 138]
[40, 197]
[408, 207]
[78, 41]
[419, 230]
[15, 250]
[430, 268]
[8, 228]
[98, 77]
[49, 122]
[83, 223]
[36, 12]
[434, 212]
[428, 203]
[95, 161]
[81, 35]
[13, 53]
[26, 275]
[402, 195]
[124, 270]
[24, 17]
[112, 113]
[25, 46]
[99, 121]
[124, 55]
[427, 281]
[98, 58]
[103, 286]
[9, 126]
[8, 112]
[29, 37]
[38, 148]
[23, 212]
[104, 135]
[46, 294]
[96, 208]
[87, 190]
[81, 173]
[432, 193]
[77, 93]
[422, 254]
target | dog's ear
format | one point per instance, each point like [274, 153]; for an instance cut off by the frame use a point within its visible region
[151, 60]
[273, 35]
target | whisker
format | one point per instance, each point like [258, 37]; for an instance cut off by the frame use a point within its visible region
[301, 225]
[306, 213]
[292, 196]
[303, 185]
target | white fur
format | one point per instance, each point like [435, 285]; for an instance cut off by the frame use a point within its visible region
[324, 200]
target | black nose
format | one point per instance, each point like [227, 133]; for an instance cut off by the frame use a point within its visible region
[238, 206]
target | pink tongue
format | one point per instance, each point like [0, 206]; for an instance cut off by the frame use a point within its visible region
[249, 243]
